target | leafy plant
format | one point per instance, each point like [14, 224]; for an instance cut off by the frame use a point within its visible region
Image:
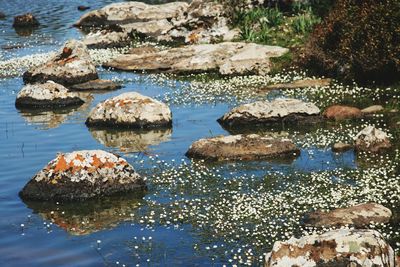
[304, 23]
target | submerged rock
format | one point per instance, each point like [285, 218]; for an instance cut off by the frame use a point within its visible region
[25, 21]
[242, 147]
[359, 216]
[81, 175]
[227, 58]
[343, 247]
[83, 8]
[266, 112]
[98, 84]
[341, 147]
[131, 110]
[48, 94]
[372, 139]
[72, 65]
[338, 112]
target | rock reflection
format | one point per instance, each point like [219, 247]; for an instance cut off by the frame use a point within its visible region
[89, 216]
[129, 141]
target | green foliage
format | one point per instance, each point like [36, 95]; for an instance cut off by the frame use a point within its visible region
[304, 23]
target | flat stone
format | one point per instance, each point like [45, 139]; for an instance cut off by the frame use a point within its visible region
[342, 247]
[153, 28]
[338, 112]
[227, 58]
[81, 175]
[49, 94]
[276, 111]
[71, 65]
[298, 84]
[131, 110]
[359, 216]
[372, 139]
[99, 85]
[341, 147]
[372, 109]
[130, 12]
[106, 39]
[243, 147]
[25, 21]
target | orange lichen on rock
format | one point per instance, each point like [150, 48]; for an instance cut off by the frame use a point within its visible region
[61, 165]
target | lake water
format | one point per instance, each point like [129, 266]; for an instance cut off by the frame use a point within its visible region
[166, 227]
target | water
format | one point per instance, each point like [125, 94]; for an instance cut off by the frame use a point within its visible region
[119, 230]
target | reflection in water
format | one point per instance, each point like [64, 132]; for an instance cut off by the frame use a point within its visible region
[48, 119]
[25, 31]
[89, 216]
[131, 140]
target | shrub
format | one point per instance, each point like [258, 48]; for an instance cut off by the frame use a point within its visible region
[304, 23]
[358, 40]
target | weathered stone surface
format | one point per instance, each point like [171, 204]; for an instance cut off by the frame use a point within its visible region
[226, 58]
[49, 94]
[372, 109]
[26, 20]
[152, 28]
[265, 112]
[128, 12]
[81, 175]
[298, 84]
[106, 39]
[72, 65]
[341, 147]
[372, 139]
[338, 112]
[98, 84]
[242, 147]
[131, 110]
[334, 248]
[358, 216]
[129, 141]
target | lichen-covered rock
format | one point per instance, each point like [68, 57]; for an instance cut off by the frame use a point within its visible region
[131, 110]
[128, 12]
[48, 94]
[81, 175]
[372, 139]
[343, 247]
[106, 39]
[266, 112]
[338, 112]
[228, 58]
[99, 85]
[243, 147]
[72, 65]
[359, 216]
[26, 20]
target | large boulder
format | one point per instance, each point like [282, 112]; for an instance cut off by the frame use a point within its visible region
[342, 247]
[372, 139]
[131, 110]
[339, 112]
[359, 216]
[48, 94]
[242, 147]
[81, 175]
[266, 112]
[72, 65]
[227, 58]
[128, 12]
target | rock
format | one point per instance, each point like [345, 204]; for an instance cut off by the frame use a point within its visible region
[337, 112]
[242, 147]
[2, 15]
[226, 58]
[372, 109]
[100, 85]
[72, 65]
[25, 21]
[298, 84]
[129, 12]
[145, 29]
[359, 216]
[81, 175]
[129, 141]
[372, 140]
[131, 110]
[276, 111]
[342, 247]
[49, 94]
[83, 8]
[106, 39]
[341, 147]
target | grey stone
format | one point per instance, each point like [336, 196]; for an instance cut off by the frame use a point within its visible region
[96, 85]
[372, 109]
[372, 139]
